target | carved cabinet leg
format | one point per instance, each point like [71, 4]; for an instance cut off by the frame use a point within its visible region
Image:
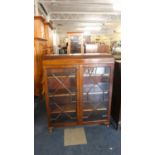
[50, 129]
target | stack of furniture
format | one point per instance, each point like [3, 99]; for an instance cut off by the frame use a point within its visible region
[42, 45]
[78, 89]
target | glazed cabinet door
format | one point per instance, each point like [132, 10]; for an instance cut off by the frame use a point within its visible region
[96, 93]
[61, 93]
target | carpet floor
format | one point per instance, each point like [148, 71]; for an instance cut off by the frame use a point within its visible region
[101, 140]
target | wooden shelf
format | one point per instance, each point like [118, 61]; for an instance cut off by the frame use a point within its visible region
[73, 76]
[88, 108]
[73, 94]
[96, 93]
[62, 92]
[87, 117]
[58, 95]
[71, 108]
[94, 75]
[51, 77]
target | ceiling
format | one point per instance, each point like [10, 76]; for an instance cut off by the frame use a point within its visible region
[98, 16]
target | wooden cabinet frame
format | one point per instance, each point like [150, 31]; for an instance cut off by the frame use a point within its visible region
[56, 64]
[48, 35]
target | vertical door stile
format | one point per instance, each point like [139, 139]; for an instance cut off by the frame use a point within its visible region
[46, 95]
[79, 93]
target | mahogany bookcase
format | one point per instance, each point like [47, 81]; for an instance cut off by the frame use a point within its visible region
[78, 89]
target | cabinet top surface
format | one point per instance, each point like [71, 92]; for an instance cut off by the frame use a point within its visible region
[77, 56]
[77, 59]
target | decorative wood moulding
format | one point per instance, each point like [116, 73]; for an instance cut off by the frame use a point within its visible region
[69, 59]
[43, 20]
[49, 24]
[40, 39]
[40, 18]
[75, 33]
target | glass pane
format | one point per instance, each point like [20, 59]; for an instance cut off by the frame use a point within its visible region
[95, 93]
[62, 94]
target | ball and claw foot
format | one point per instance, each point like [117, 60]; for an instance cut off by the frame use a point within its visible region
[50, 129]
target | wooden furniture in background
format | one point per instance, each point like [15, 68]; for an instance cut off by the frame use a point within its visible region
[39, 50]
[103, 48]
[116, 97]
[48, 35]
[78, 89]
[75, 42]
[91, 48]
[39, 31]
[39, 46]
[96, 48]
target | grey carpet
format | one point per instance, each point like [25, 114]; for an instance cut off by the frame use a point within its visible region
[100, 139]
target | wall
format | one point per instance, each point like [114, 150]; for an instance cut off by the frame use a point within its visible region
[55, 42]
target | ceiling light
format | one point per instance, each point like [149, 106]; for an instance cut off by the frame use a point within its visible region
[95, 28]
[86, 33]
[117, 5]
[90, 28]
